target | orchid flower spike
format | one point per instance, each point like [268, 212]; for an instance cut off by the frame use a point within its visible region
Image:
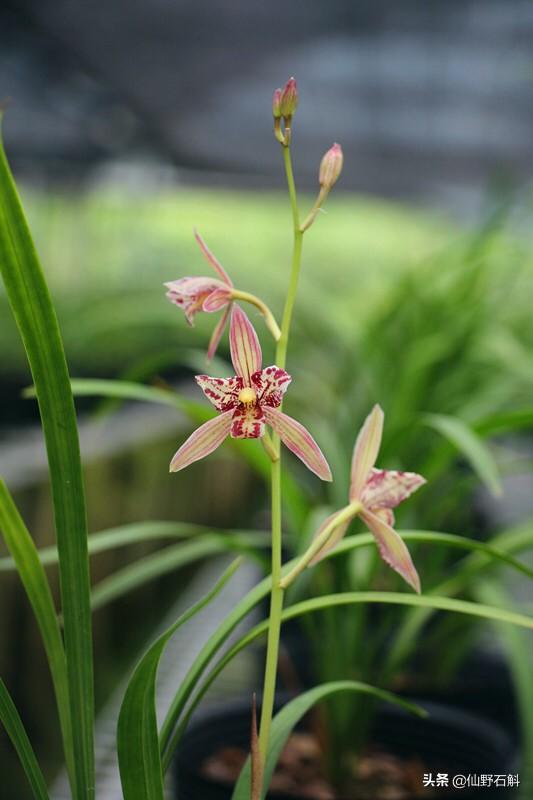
[247, 402]
[373, 494]
[213, 294]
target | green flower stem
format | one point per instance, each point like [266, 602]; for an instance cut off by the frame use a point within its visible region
[347, 513]
[270, 321]
[276, 597]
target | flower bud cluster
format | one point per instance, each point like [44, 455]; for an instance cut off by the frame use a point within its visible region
[284, 104]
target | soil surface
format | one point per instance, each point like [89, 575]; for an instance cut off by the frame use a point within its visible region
[300, 772]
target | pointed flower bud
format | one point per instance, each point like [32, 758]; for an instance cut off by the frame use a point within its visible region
[289, 98]
[276, 104]
[330, 167]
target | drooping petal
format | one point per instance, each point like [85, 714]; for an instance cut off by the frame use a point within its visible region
[386, 514]
[217, 333]
[222, 392]
[271, 384]
[388, 488]
[336, 535]
[299, 441]
[366, 451]
[202, 442]
[189, 294]
[216, 300]
[215, 263]
[244, 345]
[392, 548]
[248, 422]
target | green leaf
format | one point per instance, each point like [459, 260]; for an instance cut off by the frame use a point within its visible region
[505, 421]
[470, 445]
[176, 720]
[286, 719]
[33, 577]
[161, 563]
[124, 535]
[16, 732]
[32, 307]
[137, 739]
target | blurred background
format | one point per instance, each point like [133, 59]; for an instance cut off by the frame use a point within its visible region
[130, 123]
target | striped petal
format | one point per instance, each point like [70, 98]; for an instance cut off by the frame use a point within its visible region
[271, 384]
[388, 488]
[214, 262]
[216, 300]
[217, 334]
[392, 548]
[366, 451]
[202, 442]
[299, 441]
[222, 392]
[244, 345]
[336, 535]
[248, 422]
[189, 294]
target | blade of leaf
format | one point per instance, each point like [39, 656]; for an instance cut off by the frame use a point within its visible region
[176, 721]
[16, 732]
[33, 577]
[137, 738]
[124, 535]
[162, 562]
[286, 719]
[470, 445]
[34, 314]
[517, 648]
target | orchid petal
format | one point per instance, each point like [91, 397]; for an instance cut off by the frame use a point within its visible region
[366, 451]
[336, 535]
[222, 392]
[215, 263]
[386, 514]
[299, 441]
[392, 548]
[216, 300]
[271, 384]
[388, 488]
[248, 423]
[244, 345]
[202, 442]
[217, 334]
[189, 294]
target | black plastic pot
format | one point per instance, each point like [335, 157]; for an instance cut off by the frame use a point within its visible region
[448, 741]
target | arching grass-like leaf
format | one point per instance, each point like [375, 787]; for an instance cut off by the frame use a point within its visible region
[36, 320]
[15, 730]
[289, 716]
[176, 720]
[470, 445]
[137, 739]
[33, 577]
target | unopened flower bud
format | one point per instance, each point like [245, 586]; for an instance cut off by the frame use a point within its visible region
[289, 99]
[276, 104]
[330, 167]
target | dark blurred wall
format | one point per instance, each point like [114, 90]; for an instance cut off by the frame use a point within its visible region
[429, 99]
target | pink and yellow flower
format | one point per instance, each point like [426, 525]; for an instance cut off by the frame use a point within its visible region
[374, 493]
[194, 294]
[247, 403]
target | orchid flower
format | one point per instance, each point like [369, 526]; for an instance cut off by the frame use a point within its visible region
[372, 496]
[194, 294]
[247, 402]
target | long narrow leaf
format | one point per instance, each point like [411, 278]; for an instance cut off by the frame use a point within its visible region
[33, 577]
[123, 535]
[137, 739]
[172, 730]
[34, 314]
[16, 732]
[286, 719]
[470, 445]
[161, 563]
